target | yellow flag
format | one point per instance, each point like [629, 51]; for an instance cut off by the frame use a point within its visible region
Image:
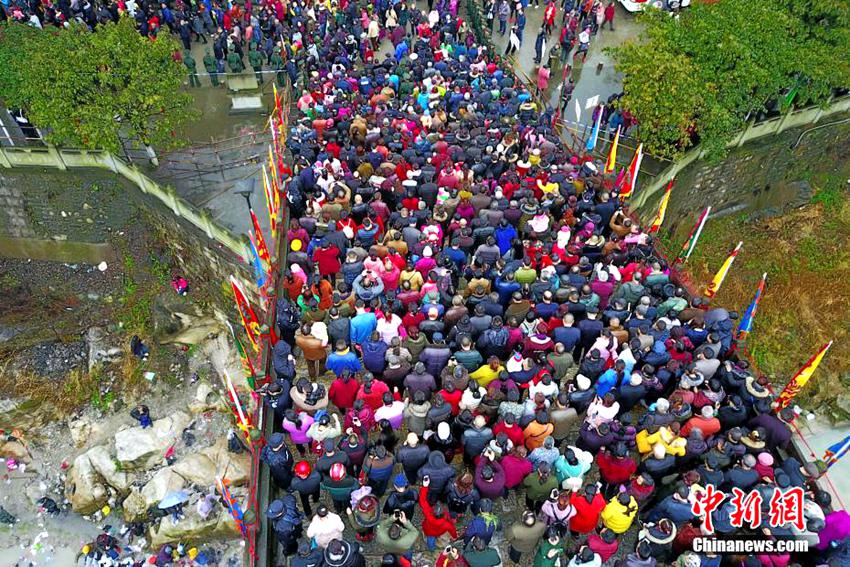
[611, 163]
[715, 284]
[799, 380]
[662, 208]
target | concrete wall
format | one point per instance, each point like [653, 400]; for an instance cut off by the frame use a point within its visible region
[72, 159]
[768, 132]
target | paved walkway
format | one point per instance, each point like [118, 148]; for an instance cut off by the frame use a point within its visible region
[588, 82]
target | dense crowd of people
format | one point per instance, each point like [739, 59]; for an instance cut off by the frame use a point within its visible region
[481, 320]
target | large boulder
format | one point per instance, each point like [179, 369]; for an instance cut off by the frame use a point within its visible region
[134, 506]
[197, 468]
[163, 481]
[192, 529]
[106, 466]
[206, 399]
[176, 320]
[85, 489]
[137, 448]
[235, 467]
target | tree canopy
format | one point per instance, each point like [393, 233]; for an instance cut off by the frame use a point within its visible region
[697, 78]
[84, 88]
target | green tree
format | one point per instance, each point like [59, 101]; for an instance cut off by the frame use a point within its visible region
[86, 89]
[698, 78]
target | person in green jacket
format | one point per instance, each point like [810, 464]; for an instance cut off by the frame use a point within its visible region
[539, 486]
[255, 58]
[235, 62]
[192, 66]
[524, 536]
[276, 62]
[211, 67]
[478, 554]
[551, 550]
[395, 534]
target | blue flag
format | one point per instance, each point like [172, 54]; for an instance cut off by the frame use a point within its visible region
[259, 273]
[594, 136]
[746, 324]
[836, 451]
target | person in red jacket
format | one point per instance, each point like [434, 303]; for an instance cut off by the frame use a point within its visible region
[615, 468]
[437, 519]
[509, 427]
[588, 508]
[327, 256]
[452, 396]
[343, 391]
[516, 466]
[372, 392]
[604, 543]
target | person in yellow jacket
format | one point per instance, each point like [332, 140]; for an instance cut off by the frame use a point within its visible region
[486, 373]
[619, 513]
[666, 436]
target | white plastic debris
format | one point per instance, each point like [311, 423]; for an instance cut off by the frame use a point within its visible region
[102, 266]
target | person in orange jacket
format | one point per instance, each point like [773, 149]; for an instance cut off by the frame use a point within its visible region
[437, 519]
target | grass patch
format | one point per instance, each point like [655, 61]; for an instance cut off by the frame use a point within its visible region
[808, 288]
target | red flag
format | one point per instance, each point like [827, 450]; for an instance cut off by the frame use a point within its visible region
[246, 312]
[262, 249]
[662, 209]
[632, 174]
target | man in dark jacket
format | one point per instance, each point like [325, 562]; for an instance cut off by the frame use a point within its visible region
[476, 439]
[439, 472]
[402, 497]
[340, 553]
[374, 351]
[279, 460]
[286, 522]
[412, 455]
[436, 355]
[420, 381]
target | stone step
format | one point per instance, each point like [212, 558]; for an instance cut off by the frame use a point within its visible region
[241, 104]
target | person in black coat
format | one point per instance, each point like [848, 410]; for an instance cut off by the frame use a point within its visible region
[412, 455]
[306, 483]
[341, 553]
[286, 522]
[279, 460]
[402, 497]
[307, 557]
[440, 473]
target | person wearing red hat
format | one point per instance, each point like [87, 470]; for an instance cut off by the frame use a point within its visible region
[306, 483]
[340, 486]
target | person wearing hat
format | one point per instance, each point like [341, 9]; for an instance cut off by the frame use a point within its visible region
[278, 458]
[341, 553]
[339, 484]
[306, 483]
[286, 522]
[402, 497]
[412, 455]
